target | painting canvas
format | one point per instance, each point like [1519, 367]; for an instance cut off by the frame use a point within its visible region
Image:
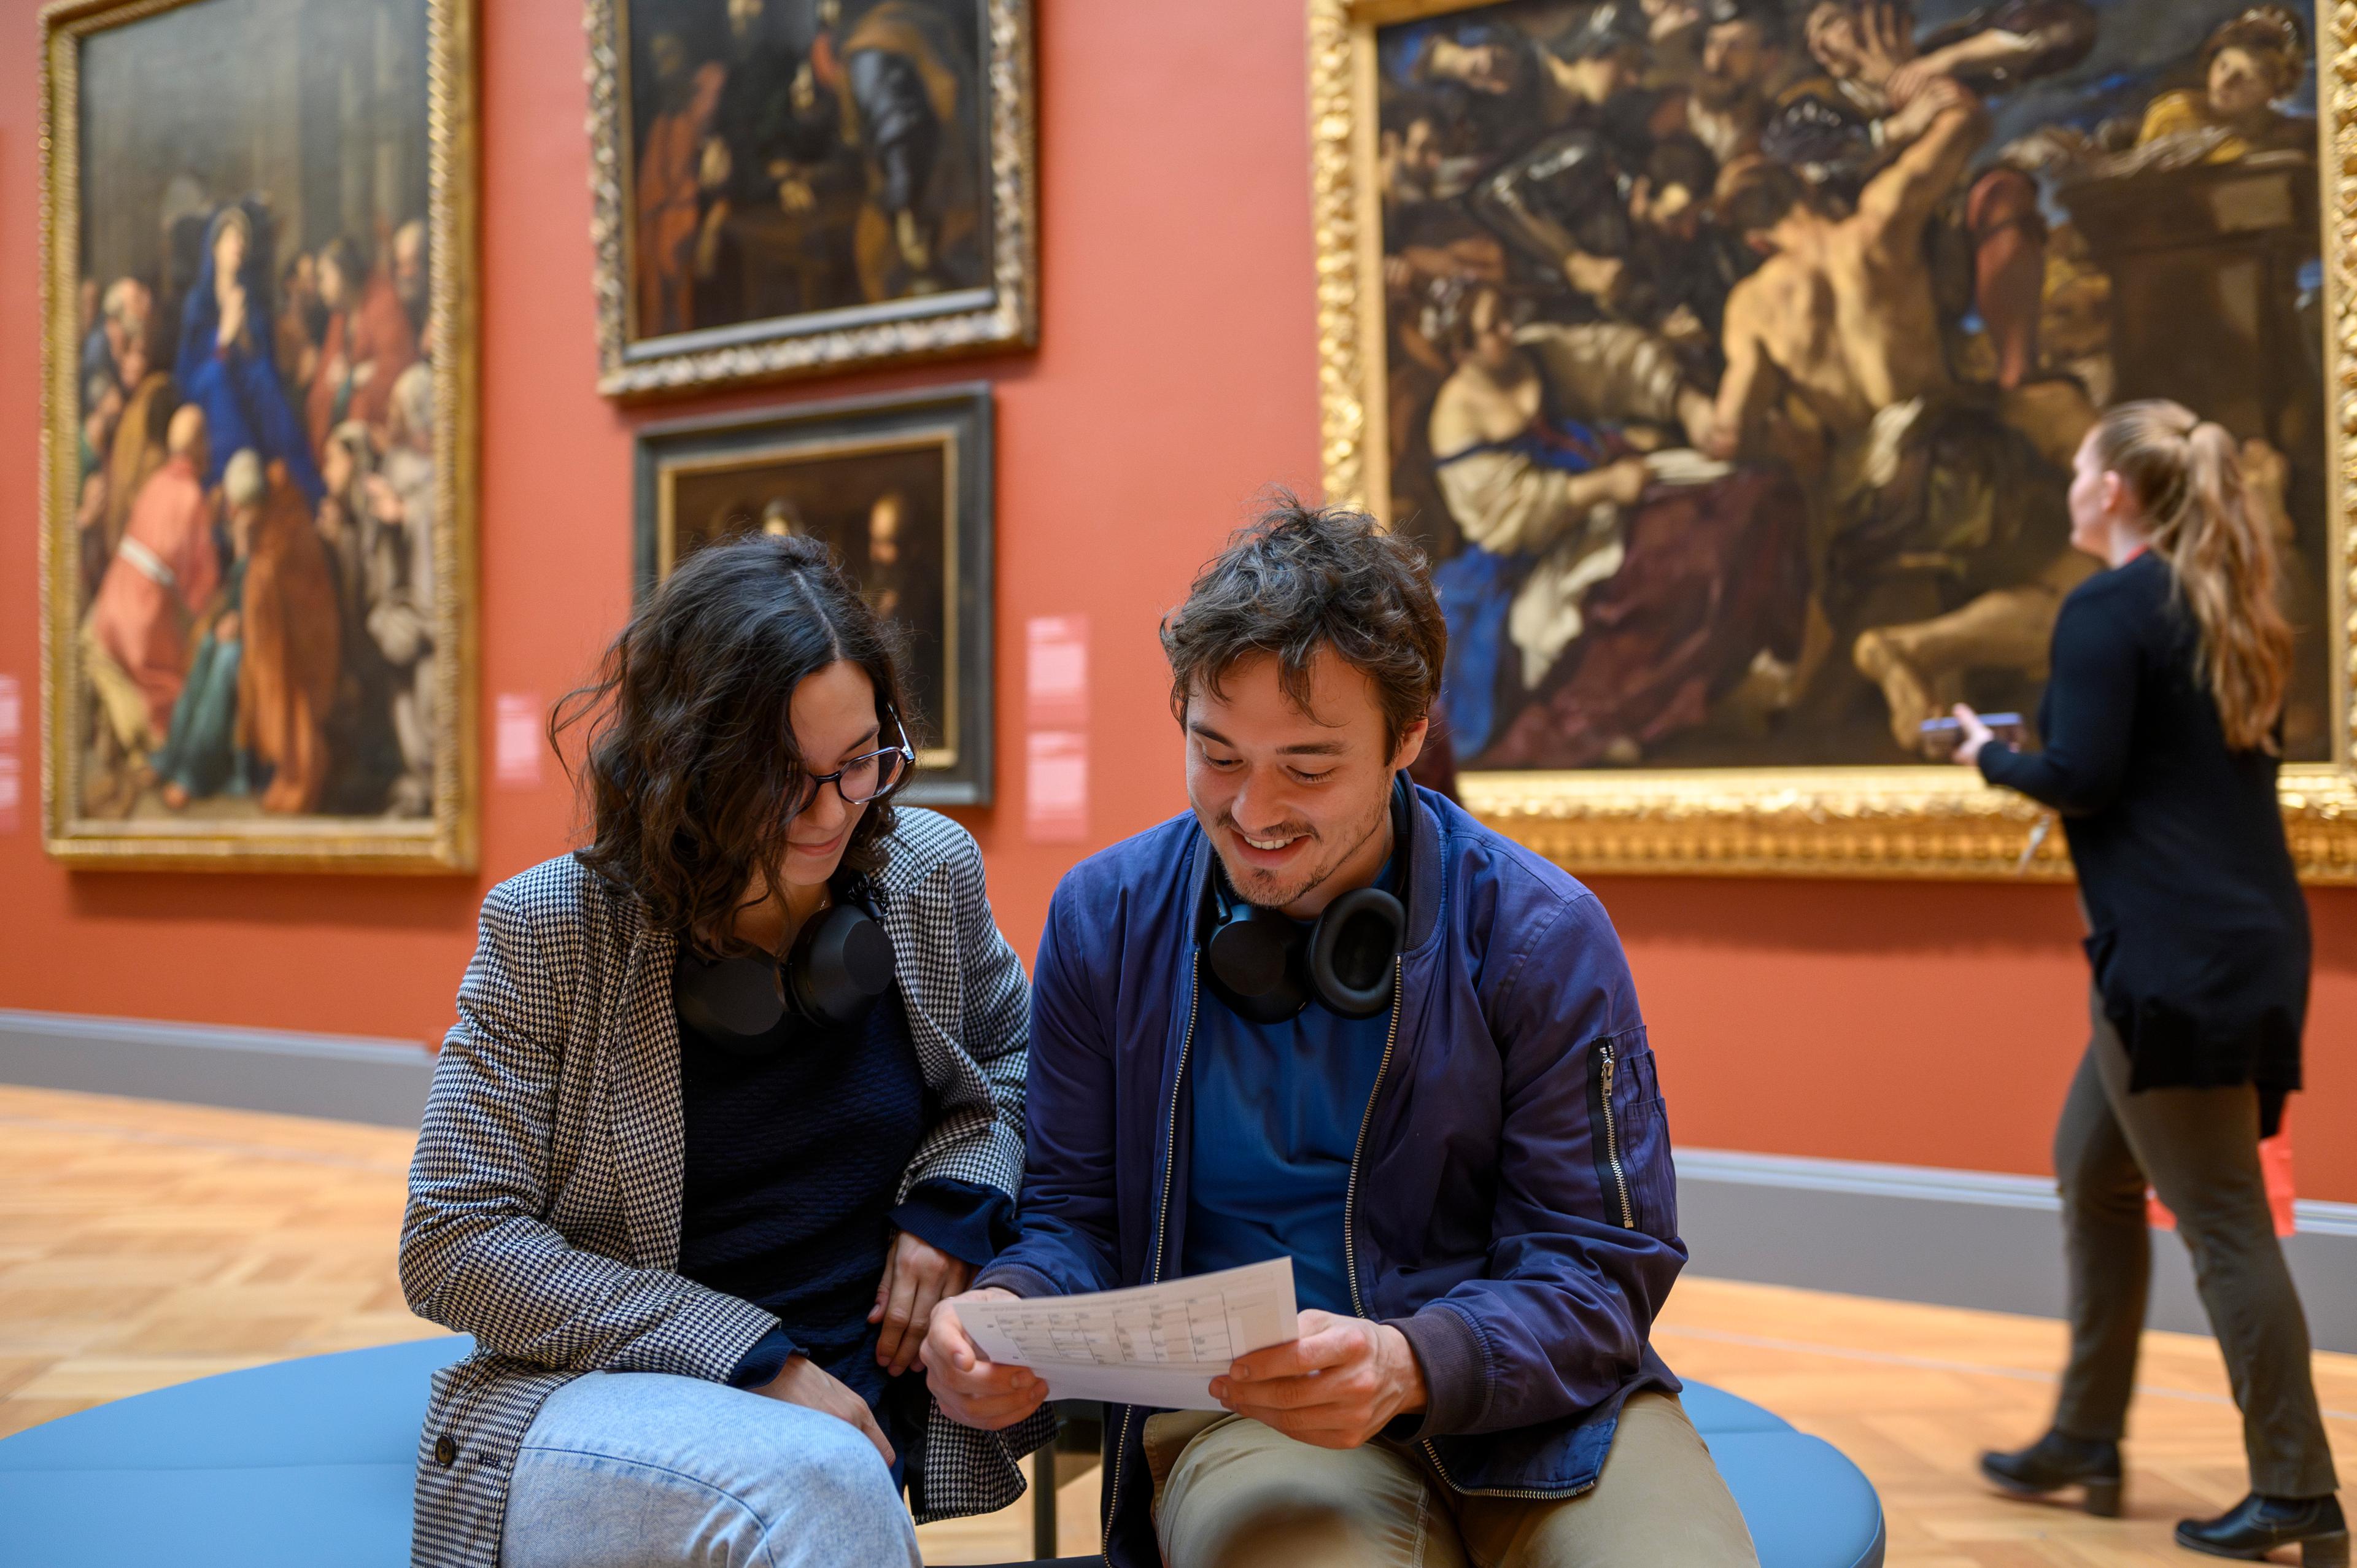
[258, 385]
[898, 489]
[797, 184]
[1729, 358]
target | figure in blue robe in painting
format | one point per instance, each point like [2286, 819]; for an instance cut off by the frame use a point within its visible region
[226, 365]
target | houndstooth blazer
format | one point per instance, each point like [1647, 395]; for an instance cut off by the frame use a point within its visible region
[543, 1208]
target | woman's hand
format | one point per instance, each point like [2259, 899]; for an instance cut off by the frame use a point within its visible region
[973, 1389]
[1976, 736]
[804, 1382]
[917, 1275]
[1624, 482]
[233, 317]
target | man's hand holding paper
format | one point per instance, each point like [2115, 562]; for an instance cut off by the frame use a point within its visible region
[971, 1388]
[1336, 1385]
[1160, 1346]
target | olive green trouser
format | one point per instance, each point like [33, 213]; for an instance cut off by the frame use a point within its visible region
[1232, 1493]
[2200, 1150]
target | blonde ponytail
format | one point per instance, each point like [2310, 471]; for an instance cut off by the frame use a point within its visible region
[2186, 477]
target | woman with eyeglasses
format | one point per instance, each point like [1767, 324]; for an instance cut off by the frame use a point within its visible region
[735, 1095]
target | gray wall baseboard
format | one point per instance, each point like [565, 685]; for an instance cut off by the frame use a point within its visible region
[1904, 1232]
[344, 1077]
[1956, 1239]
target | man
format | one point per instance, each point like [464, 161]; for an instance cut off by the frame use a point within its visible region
[289, 671]
[206, 753]
[162, 576]
[761, 128]
[368, 343]
[1935, 497]
[302, 325]
[1562, 200]
[1743, 67]
[398, 524]
[1472, 1180]
[666, 194]
[409, 275]
[1842, 310]
[1871, 61]
[903, 85]
[896, 582]
[117, 344]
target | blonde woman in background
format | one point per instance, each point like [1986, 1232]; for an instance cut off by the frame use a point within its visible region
[2160, 726]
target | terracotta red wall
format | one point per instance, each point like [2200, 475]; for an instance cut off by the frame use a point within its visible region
[1176, 376]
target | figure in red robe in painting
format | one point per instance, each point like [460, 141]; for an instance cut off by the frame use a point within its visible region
[368, 343]
[164, 572]
[668, 189]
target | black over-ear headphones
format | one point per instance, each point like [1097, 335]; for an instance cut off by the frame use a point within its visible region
[1262, 964]
[840, 964]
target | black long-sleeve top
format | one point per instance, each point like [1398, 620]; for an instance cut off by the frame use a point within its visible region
[790, 1157]
[2198, 932]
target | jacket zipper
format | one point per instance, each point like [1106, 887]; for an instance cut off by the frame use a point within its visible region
[1349, 1247]
[1612, 1141]
[1162, 1221]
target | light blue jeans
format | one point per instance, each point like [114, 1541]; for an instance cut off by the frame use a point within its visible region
[645, 1470]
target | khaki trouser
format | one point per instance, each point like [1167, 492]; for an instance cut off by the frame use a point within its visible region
[2200, 1150]
[1232, 1493]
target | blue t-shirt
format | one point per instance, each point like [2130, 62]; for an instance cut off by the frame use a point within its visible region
[1276, 1114]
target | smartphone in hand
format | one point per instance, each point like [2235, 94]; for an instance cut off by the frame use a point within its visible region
[1942, 736]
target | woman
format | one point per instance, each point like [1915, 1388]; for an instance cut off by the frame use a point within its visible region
[226, 364]
[2160, 721]
[2248, 65]
[695, 1204]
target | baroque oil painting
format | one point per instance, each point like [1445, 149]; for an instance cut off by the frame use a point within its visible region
[898, 490]
[1733, 353]
[256, 378]
[804, 184]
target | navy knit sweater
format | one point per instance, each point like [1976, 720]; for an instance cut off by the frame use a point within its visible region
[792, 1158]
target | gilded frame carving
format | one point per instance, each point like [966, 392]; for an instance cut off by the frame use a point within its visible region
[1906, 822]
[444, 841]
[1004, 315]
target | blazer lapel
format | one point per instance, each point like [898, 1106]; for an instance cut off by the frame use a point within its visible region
[641, 1052]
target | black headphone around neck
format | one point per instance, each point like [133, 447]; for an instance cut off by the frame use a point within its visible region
[840, 964]
[1267, 969]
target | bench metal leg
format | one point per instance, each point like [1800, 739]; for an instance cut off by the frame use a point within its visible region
[1043, 1501]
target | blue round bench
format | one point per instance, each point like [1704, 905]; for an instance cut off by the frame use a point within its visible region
[308, 1464]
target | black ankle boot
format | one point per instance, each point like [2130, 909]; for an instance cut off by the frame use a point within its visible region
[2057, 1460]
[2257, 1525]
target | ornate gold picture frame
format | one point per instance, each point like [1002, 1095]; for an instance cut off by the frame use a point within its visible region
[785, 187]
[1432, 166]
[259, 435]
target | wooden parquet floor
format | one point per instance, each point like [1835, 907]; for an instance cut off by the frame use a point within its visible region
[143, 1244]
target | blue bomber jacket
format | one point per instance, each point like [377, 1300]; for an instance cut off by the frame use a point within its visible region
[1512, 1206]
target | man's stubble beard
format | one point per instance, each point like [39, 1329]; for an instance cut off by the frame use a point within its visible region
[1258, 887]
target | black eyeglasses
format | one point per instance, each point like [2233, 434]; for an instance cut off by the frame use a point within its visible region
[863, 778]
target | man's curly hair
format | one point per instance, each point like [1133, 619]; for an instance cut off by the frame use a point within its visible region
[1301, 579]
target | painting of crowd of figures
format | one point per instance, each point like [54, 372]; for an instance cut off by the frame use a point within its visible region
[1735, 352]
[258, 395]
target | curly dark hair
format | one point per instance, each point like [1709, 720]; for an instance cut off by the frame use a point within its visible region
[1304, 579]
[689, 756]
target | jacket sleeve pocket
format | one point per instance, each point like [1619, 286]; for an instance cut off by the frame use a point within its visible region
[1631, 1137]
